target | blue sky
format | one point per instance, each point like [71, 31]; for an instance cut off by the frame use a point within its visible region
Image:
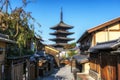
[82, 14]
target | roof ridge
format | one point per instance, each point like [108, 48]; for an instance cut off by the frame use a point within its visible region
[107, 42]
[104, 24]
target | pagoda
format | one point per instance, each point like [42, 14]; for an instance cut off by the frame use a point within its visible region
[61, 33]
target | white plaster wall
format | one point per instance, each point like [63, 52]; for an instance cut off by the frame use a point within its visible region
[86, 68]
[101, 36]
[116, 26]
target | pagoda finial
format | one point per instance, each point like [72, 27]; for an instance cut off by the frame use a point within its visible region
[61, 15]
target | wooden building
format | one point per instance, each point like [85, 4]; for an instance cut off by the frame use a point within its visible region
[104, 32]
[15, 68]
[4, 40]
[105, 60]
[46, 60]
[61, 34]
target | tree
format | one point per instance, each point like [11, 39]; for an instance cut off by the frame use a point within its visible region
[71, 53]
[17, 23]
[70, 46]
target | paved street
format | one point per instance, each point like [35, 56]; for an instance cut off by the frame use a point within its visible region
[63, 73]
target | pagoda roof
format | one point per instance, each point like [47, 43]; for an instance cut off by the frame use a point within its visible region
[59, 44]
[61, 25]
[62, 38]
[62, 32]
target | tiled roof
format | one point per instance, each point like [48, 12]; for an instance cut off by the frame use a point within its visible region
[62, 38]
[62, 25]
[59, 44]
[104, 25]
[81, 58]
[110, 45]
[62, 32]
[5, 38]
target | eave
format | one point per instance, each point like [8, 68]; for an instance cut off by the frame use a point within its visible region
[62, 32]
[6, 40]
[97, 28]
[61, 38]
[61, 25]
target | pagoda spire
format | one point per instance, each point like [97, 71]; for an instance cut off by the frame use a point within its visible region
[61, 16]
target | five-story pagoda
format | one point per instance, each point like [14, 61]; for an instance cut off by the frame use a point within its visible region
[61, 33]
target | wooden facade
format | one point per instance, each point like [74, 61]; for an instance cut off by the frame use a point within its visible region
[4, 40]
[2, 58]
[104, 32]
[104, 61]
[104, 66]
[19, 68]
[99, 61]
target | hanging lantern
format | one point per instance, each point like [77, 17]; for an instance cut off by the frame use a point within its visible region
[40, 63]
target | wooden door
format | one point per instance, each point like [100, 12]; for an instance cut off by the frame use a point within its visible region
[118, 65]
[103, 67]
[109, 67]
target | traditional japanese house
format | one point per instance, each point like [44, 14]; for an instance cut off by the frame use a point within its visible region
[61, 34]
[39, 43]
[104, 32]
[105, 60]
[4, 40]
[46, 60]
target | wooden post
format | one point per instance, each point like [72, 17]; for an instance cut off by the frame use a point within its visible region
[118, 66]
[71, 64]
[12, 71]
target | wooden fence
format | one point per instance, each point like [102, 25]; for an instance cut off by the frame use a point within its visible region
[20, 69]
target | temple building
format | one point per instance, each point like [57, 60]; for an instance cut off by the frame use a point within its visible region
[61, 33]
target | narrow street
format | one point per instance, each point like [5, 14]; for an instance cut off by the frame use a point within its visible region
[64, 73]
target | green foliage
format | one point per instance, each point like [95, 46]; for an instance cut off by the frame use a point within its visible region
[71, 53]
[19, 25]
[14, 50]
[70, 46]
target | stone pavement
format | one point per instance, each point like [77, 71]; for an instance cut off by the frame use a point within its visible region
[83, 76]
[64, 73]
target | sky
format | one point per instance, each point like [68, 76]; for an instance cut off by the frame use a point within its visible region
[82, 14]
